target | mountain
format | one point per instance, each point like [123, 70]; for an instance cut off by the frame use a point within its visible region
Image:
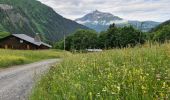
[100, 21]
[161, 33]
[144, 26]
[166, 24]
[31, 16]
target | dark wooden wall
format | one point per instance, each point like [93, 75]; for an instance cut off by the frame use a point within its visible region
[12, 42]
[43, 47]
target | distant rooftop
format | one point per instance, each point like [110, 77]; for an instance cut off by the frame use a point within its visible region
[30, 39]
[94, 50]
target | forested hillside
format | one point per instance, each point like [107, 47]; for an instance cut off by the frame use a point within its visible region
[31, 16]
[159, 27]
[162, 32]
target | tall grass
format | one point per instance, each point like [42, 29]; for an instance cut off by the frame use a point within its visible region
[16, 57]
[141, 73]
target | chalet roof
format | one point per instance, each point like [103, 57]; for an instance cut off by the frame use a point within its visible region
[30, 39]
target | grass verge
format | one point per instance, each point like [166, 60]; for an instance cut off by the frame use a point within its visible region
[126, 74]
[16, 57]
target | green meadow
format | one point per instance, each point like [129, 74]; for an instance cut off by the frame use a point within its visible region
[140, 73]
[17, 57]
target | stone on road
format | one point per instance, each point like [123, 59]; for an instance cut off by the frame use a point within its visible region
[16, 82]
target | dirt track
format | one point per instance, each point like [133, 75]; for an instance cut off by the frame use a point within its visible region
[16, 82]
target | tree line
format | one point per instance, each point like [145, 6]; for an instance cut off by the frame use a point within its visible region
[114, 37]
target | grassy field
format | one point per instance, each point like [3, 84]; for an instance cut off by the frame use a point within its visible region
[16, 57]
[140, 73]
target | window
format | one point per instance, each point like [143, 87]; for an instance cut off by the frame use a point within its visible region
[21, 41]
[6, 46]
[28, 47]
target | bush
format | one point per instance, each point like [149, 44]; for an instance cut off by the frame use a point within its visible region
[80, 40]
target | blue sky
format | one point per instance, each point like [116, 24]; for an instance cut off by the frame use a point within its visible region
[156, 10]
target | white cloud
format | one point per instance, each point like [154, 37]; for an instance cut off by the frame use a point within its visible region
[157, 10]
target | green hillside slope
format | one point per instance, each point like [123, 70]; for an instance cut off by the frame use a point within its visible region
[159, 27]
[31, 16]
[162, 32]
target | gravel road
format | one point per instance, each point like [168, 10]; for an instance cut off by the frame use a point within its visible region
[16, 82]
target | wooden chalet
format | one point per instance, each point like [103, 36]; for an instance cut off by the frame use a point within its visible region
[23, 42]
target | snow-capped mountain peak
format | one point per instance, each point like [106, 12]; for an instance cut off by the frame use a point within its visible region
[100, 21]
[97, 17]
